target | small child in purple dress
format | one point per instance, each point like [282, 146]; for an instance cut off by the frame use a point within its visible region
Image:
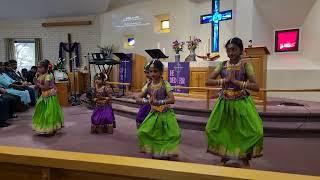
[144, 109]
[102, 119]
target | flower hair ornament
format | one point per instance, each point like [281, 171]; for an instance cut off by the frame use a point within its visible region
[50, 67]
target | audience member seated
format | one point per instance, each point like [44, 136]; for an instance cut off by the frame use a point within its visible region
[32, 74]
[24, 73]
[4, 113]
[7, 83]
[13, 101]
[19, 83]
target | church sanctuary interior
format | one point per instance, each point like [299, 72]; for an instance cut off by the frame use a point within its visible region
[159, 89]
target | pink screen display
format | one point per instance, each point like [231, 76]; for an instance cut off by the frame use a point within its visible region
[287, 40]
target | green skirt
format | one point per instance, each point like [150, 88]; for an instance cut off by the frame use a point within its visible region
[234, 129]
[159, 134]
[48, 116]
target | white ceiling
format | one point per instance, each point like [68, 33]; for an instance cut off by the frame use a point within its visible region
[35, 9]
[118, 3]
[284, 13]
[279, 13]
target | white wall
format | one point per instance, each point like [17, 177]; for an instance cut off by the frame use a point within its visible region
[262, 31]
[243, 15]
[296, 70]
[87, 36]
[185, 22]
[310, 34]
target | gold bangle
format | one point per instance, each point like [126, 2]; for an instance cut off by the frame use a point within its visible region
[218, 82]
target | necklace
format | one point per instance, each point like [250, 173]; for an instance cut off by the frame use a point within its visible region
[156, 86]
[233, 66]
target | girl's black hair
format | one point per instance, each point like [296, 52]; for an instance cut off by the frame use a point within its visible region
[236, 41]
[156, 64]
[46, 64]
[100, 76]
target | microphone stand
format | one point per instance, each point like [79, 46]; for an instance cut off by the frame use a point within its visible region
[74, 99]
[89, 70]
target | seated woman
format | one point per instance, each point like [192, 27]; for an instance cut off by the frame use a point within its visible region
[6, 82]
[18, 82]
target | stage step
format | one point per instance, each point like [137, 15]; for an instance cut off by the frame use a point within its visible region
[269, 116]
[271, 128]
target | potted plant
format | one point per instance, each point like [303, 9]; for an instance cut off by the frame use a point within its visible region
[177, 47]
[108, 50]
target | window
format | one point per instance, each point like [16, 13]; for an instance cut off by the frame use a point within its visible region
[25, 53]
[162, 23]
[131, 41]
[165, 24]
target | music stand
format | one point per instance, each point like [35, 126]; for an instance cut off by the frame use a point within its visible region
[122, 57]
[156, 54]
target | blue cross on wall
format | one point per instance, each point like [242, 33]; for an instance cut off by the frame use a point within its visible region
[215, 19]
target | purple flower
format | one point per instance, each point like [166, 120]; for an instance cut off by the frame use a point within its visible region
[193, 44]
[177, 46]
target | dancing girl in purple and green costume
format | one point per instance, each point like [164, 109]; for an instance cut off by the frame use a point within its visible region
[234, 129]
[159, 134]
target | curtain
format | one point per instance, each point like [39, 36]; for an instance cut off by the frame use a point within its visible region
[38, 48]
[9, 47]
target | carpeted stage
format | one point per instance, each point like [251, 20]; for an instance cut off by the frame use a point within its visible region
[283, 152]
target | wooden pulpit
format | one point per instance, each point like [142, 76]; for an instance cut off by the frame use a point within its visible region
[138, 78]
[63, 92]
[258, 57]
[81, 82]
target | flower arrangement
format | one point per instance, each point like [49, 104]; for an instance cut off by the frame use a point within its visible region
[193, 44]
[177, 46]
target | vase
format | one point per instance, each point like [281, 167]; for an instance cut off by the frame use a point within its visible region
[177, 57]
[192, 55]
